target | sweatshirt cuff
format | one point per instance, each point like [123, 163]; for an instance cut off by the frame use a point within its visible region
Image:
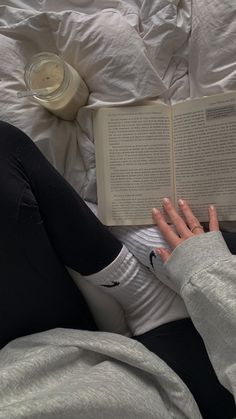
[193, 255]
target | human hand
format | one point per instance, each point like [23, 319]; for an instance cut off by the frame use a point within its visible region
[185, 229]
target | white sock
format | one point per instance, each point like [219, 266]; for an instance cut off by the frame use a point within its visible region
[146, 301]
[140, 240]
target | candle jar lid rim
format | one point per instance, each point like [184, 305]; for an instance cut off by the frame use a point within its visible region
[35, 60]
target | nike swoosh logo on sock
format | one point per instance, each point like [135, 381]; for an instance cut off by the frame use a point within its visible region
[151, 256]
[114, 284]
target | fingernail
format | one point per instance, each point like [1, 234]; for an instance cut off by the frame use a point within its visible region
[155, 211]
[180, 202]
[159, 251]
[166, 200]
[212, 207]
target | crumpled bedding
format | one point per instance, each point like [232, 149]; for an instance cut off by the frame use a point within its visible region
[126, 51]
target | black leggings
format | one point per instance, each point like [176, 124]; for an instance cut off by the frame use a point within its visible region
[45, 225]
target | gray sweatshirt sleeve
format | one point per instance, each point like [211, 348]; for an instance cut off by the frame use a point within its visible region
[203, 271]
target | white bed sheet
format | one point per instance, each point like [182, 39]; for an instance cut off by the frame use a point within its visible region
[126, 51]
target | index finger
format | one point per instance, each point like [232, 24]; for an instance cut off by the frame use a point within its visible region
[171, 237]
[176, 219]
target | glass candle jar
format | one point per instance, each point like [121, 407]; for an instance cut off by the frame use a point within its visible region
[63, 91]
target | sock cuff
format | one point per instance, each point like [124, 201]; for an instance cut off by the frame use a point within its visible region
[109, 270]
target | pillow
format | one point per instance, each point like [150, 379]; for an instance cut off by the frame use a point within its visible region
[212, 47]
[98, 45]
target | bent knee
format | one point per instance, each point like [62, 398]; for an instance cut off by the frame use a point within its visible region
[10, 136]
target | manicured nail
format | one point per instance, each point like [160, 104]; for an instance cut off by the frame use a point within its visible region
[212, 207]
[166, 200]
[180, 202]
[155, 211]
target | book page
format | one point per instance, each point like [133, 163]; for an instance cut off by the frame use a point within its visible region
[133, 159]
[205, 154]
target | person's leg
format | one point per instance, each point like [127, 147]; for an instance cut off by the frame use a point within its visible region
[40, 199]
[179, 344]
[44, 225]
[230, 239]
[72, 227]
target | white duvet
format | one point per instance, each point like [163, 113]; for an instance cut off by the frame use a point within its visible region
[126, 51]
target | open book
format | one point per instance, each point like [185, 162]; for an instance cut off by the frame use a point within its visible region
[144, 153]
